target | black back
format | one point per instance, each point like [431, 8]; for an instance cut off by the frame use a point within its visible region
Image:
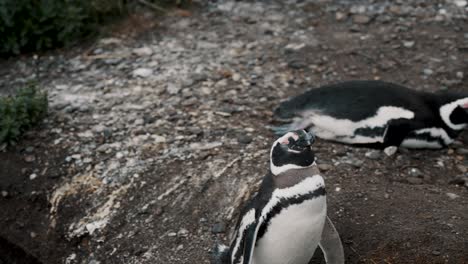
[356, 100]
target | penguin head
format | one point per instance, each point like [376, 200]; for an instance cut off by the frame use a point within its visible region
[454, 111]
[292, 151]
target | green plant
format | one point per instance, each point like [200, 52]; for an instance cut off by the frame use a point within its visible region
[20, 112]
[35, 25]
[27, 25]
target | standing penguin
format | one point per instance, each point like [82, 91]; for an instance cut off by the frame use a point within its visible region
[377, 114]
[287, 218]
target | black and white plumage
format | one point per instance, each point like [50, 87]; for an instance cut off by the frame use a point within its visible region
[284, 221]
[377, 114]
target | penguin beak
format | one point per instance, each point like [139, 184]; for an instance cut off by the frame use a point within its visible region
[306, 139]
[310, 137]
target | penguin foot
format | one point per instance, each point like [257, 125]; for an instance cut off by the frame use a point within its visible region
[220, 254]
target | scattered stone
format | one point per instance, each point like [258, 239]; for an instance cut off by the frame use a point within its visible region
[414, 180]
[236, 77]
[218, 228]
[460, 180]
[415, 172]
[294, 46]
[373, 154]
[452, 195]
[408, 44]
[462, 151]
[182, 232]
[143, 51]
[244, 139]
[29, 149]
[356, 163]
[205, 146]
[33, 176]
[297, 64]
[361, 19]
[462, 168]
[460, 3]
[29, 158]
[340, 16]
[435, 252]
[172, 234]
[460, 75]
[173, 88]
[428, 72]
[109, 41]
[4, 193]
[142, 72]
[390, 151]
[325, 167]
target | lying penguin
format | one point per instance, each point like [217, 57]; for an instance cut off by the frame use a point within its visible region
[377, 114]
[287, 218]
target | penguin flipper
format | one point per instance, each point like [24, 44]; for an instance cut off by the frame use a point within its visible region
[249, 243]
[330, 244]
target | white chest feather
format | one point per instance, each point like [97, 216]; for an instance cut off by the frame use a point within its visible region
[343, 130]
[293, 234]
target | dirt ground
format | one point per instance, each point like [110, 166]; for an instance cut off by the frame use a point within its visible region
[131, 167]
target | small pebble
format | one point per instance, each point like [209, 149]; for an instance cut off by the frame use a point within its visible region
[373, 154]
[428, 72]
[414, 180]
[244, 139]
[361, 19]
[182, 232]
[390, 151]
[325, 167]
[462, 151]
[33, 176]
[218, 228]
[408, 44]
[452, 196]
[29, 149]
[29, 158]
[142, 72]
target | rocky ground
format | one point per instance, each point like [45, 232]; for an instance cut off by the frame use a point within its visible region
[155, 137]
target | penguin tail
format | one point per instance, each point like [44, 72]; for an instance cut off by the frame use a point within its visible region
[220, 254]
[281, 129]
[295, 123]
[290, 117]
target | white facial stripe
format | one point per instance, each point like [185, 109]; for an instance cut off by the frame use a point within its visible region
[447, 109]
[247, 219]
